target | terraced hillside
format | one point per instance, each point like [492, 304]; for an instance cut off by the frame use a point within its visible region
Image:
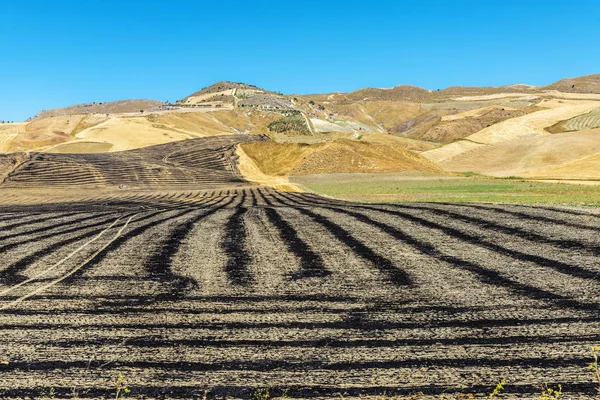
[225, 292]
[586, 121]
[205, 162]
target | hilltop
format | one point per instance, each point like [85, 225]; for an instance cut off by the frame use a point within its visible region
[582, 84]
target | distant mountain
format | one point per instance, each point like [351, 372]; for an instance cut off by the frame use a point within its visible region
[111, 107]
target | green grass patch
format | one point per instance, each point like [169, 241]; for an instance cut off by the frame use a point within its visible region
[406, 187]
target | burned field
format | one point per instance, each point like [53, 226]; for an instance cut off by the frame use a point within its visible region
[232, 289]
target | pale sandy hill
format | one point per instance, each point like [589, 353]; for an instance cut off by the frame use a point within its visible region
[523, 156]
[127, 133]
[376, 116]
[395, 141]
[529, 125]
[326, 126]
[135, 132]
[401, 92]
[8, 133]
[219, 88]
[449, 131]
[98, 133]
[251, 172]
[225, 94]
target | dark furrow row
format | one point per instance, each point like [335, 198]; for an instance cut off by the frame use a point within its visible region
[311, 263]
[234, 246]
[158, 266]
[567, 269]
[531, 217]
[304, 365]
[296, 391]
[394, 273]
[329, 342]
[9, 217]
[509, 230]
[45, 229]
[11, 275]
[98, 258]
[344, 325]
[7, 228]
[485, 275]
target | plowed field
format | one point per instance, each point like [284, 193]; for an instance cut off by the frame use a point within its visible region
[229, 290]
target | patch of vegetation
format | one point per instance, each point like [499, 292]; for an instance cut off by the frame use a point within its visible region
[399, 187]
[290, 123]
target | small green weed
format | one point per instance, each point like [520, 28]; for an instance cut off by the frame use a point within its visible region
[261, 394]
[121, 386]
[498, 390]
[549, 393]
[595, 367]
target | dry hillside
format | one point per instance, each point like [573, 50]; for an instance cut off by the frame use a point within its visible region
[453, 126]
[111, 107]
[582, 84]
[526, 156]
[339, 156]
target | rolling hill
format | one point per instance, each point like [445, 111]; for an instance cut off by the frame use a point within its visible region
[530, 131]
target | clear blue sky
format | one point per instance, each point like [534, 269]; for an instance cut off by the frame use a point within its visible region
[57, 53]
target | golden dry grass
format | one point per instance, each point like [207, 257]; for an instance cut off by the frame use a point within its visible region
[586, 168]
[524, 156]
[342, 155]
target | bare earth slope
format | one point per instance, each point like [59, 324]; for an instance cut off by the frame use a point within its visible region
[208, 162]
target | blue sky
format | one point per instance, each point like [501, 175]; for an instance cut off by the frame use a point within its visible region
[57, 53]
